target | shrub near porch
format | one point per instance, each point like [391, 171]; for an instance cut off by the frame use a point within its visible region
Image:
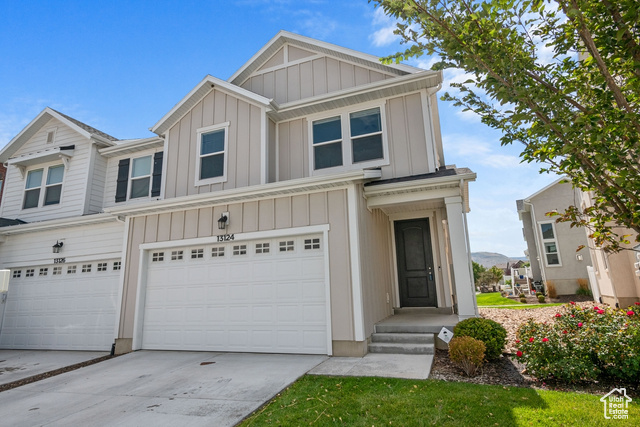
[581, 344]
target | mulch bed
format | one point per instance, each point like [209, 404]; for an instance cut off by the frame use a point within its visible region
[507, 370]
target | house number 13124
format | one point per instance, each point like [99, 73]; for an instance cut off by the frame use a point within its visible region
[226, 237]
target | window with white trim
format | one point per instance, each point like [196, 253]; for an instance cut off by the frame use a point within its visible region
[72, 269]
[177, 255]
[286, 246]
[157, 256]
[262, 248]
[353, 139]
[17, 274]
[117, 265]
[311, 244]
[211, 164]
[102, 266]
[550, 244]
[197, 253]
[240, 250]
[33, 196]
[86, 268]
[57, 271]
[140, 178]
[217, 251]
[29, 273]
[43, 271]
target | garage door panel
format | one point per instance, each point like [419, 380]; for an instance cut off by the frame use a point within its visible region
[255, 301]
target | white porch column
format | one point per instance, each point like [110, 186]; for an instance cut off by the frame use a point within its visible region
[460, 257]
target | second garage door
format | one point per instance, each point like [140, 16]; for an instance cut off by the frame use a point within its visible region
[264, 296]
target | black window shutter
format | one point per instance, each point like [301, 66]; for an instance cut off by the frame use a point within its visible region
[123, 178]
[157, 174]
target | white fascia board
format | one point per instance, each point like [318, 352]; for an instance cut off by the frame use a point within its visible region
[287, 37]
[40, 157]
[135, 144]
[213, 81]
[57, 223]
[247, 193]
[363, 89]
[418, 184]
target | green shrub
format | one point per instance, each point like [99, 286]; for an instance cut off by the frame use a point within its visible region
[491, 333]
[467, 353]
[540, 298]
[523, 300]
[583, 345]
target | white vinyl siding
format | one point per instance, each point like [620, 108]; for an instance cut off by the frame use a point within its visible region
[97, 182]
[74, 192]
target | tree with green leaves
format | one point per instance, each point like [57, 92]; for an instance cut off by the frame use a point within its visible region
[576, 110]
[477, 270]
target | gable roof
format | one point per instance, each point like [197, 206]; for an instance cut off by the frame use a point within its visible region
[308, 43]
[196, 94]
[41, 120]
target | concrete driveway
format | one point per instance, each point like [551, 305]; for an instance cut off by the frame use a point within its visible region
[159, 388]
[17, 365]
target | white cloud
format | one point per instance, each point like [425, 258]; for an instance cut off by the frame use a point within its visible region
[478, 151]
[383, 36]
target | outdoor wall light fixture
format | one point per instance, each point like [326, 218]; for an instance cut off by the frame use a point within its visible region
[223, 222]
[57, 247]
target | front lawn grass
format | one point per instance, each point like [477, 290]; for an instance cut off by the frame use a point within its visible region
[360, 401]
[496, 300]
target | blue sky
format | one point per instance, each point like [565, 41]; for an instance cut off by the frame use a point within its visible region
[121, 65]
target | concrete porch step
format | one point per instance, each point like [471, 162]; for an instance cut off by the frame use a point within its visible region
[423, 310]
[402, 338]
[411, 328]
[401, 348]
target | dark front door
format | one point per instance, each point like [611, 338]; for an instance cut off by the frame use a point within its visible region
[416, 275]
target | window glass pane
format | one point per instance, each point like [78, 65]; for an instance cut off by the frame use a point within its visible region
[364, 122]
[550, 248]
[140, 187]
[212, 142]
[141, 167]
[31, 198]
[212, 166]
[327, 156]
[552, 259]
[547, 231]
[55, 175]
[52, 195]
[34, 178]
[367, 148]
[327, 130]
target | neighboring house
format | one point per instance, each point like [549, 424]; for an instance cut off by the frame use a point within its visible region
[615, 277]
[551, 246]
[288, 209]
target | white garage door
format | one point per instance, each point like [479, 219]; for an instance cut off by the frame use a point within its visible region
[265, 296]
[61, 307]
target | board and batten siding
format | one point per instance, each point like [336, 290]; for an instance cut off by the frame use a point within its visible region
[307, 74]
[112, 178]
[81, 243]
[324, 207]
[244, 163]
[410, 146]
[375, 264]
[74, 186]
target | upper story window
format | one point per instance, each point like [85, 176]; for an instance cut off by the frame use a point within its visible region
[139, 177]
[212, 154]
[34, 196]
[550, 244]
[353, 139]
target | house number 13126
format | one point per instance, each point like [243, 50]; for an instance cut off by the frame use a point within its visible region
[226, 237]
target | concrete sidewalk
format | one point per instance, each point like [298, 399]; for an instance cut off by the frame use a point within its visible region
[158, 388]
[410, 366]
[17, 365]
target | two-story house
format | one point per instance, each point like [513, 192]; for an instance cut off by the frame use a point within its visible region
[287, 209]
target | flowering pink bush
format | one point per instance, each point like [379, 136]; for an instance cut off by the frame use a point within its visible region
[583, 345]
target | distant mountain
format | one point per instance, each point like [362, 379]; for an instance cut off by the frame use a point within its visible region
[489, 259]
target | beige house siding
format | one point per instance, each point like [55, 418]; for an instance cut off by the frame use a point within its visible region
[559, 197]
[324, 207]
[293, 74]
[244, 163]
[376, 269]
[409, 148]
